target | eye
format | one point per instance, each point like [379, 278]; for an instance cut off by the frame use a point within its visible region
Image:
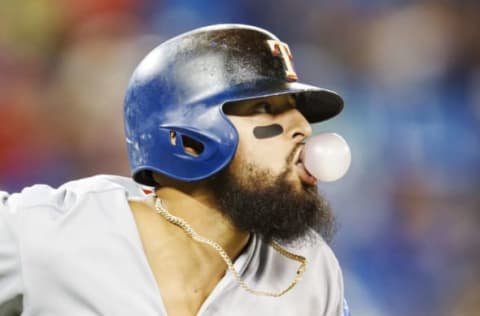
[262, 108]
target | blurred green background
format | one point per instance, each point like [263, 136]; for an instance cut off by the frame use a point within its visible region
[409, 208]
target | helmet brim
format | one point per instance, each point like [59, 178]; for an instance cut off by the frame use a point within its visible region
[316, 104]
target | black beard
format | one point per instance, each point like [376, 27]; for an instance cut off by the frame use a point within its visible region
[272, 209]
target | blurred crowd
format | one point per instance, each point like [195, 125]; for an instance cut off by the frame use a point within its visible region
[409, 71]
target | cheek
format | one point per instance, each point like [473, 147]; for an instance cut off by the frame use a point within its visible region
[260, 145]
[268, 155]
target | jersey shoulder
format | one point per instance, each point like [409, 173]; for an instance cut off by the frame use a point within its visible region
[64, 197]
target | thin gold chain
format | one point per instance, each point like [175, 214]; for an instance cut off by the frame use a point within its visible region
[160, 208]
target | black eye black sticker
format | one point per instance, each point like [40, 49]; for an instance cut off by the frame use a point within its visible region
[268, 131]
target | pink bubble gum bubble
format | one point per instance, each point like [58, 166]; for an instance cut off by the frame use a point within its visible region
[327, 156]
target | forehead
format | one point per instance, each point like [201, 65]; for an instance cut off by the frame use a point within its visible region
[244, 107]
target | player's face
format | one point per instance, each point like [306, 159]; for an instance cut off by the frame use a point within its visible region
[265, 189]
[271, 136]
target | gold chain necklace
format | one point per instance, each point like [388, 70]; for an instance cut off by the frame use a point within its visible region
[160, 208]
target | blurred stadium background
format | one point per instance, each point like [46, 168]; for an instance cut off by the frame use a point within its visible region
[409, 71]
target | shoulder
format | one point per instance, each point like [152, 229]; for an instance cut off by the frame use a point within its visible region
[102, 183]
[41, 194]
[62, 199]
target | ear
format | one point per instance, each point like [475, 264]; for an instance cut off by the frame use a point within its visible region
[190, 146]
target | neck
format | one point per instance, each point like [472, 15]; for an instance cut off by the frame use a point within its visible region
[198, 210]
[185, 270]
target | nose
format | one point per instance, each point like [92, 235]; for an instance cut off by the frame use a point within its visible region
[297, 126]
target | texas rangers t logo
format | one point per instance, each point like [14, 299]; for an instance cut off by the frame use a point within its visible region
[281, 49]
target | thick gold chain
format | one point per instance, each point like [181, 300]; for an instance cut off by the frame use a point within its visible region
[160, 208]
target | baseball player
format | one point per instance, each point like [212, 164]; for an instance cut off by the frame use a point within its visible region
[216, 123]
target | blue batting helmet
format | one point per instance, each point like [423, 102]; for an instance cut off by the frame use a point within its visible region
[176, 96]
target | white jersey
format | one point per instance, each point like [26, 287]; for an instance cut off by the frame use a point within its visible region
[76, 251]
